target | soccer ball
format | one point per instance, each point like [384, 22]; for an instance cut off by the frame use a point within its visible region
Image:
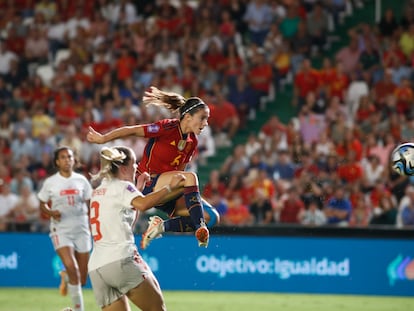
[402, 159]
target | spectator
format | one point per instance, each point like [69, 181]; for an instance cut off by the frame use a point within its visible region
[290, 23]
[260, 75]
[244, 98]
[214, 57]
[338, 209]
[6, 125]
[305, 81]
[284, 169]
[350, 170]
[349, 56]
[258, 17]
[47, 8]
[206, 146]
[21, 146]
[370, 61]
[214, 185]
[207, 37]
[407, 41]
[108, 90]
[357, 88]
[235, 164]
[311, 124]
[274, 39]
[124, 65]
[100, 68]
[323, 147]
[71, 140]
[401, 71]
[350, 144]
[404, 95]
[8, 201]
[109, 120]
[5, 153]
[291, 207]
[373, 171]
[65, 114]
[6, 56]
[252, 146]
[312, 215]
[24, 217]
[261, 208]
[388, 24]
[317, 22]
[15, 42]
[124, 12]
[237, 213]
[383, 88]
[301, 44]
[57, 34]
[393, 55]
[385, 212]
[405, 201]
[41, 122]
[36, 47]
[20, 179]
[77, 24]
[361, 213]
[224, 120]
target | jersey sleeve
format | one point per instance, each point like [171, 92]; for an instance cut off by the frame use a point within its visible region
[43, 195]
[130, 192]
[158, 128]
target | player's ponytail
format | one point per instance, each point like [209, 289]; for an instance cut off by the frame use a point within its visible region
[173, 101]
[111, 159]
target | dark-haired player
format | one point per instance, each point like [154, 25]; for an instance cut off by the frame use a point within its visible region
[69, 193]
[171, 145]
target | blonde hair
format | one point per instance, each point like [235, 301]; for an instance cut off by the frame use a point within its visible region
[111, 159]
[173, 101]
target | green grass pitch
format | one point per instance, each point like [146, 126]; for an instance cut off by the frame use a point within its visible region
[35, 299]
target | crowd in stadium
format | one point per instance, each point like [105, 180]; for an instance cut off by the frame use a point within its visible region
[68, 65]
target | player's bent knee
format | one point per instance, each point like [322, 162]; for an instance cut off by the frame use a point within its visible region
[191, 177]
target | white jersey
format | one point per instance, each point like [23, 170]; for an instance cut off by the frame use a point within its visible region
[112, 220]
[68, 196]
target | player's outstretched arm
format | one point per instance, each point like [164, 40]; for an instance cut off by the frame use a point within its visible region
[143, 203]
[98, 138]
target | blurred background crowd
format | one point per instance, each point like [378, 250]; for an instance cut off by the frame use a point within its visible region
[67, 65]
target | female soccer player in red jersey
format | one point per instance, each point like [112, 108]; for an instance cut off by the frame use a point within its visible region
[171, 144]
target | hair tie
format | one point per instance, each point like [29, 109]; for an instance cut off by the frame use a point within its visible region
[192, 107]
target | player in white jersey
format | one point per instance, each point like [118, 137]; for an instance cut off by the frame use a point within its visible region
[65, 197]
[116, 269]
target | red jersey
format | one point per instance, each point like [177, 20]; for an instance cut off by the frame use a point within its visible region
[168, 149]
[338, 85]
[306, 82]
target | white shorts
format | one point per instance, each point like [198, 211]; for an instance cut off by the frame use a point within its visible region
[81, 242]
[114, 280]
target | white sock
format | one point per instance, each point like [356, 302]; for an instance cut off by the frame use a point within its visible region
[75, 292]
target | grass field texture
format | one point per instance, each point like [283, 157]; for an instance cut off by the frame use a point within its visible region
[30, 299]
